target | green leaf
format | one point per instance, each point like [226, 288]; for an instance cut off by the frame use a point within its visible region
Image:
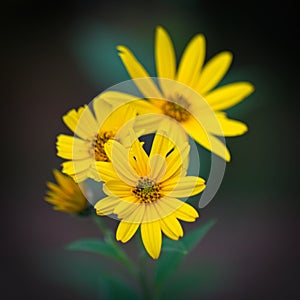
[173, 252]
[106, 248]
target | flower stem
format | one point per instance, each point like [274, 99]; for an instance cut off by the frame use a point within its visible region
[143, 277]
[122, 256]
[105, 231]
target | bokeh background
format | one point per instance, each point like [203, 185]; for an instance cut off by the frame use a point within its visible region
[57, 55]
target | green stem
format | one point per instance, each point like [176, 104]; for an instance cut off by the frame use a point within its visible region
[105, 231]
[146, 291]
[143, 277]
[109, 238]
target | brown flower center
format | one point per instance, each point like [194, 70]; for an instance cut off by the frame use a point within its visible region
[177, 108]
[97, 148]
[146, 190]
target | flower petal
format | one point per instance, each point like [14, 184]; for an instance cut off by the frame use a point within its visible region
[158, 167]
[213, 72]
[161, 145]
[65, 181]
[229, 95]
[181, 209]
[106, 171]
[164, 54]
[152, 238]
[165, 57]
[102, 108]
[77, 169]
[118, 155]
[116, 98]
[117, 188]
[171, 227]
[70, 147]
[205, 139]
[106, 205]
[230, 127]
[147, 123]
[139, 158]
[119, 117]
[192, 61]
[177, 162]
[186, 213]
[71, 119]
[87, 126]
[55, 190]
[132, 212]
[126, 231]
[183, 187]
[136, 70]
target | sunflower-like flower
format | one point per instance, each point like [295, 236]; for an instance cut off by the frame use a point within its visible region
[143, 191]
[203, 79]
[66, 195]
[92, 129]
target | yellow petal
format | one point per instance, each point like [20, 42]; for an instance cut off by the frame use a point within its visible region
[106, 205]
[106, 171]
[119, 158]
[230, 127]
[87, 126]
[116, 98]
[65, 181]
[229, 95]
[171, 227]
[177, 162]
[102, 108]
[71, 167]
[117, 188]
[158, 167]
[126, 231]
[152, 238]
[147, 123]
[164, 56]
[77, 169]
[161, 145]
[70, 147]
[119, 117]
[213, 72]
[172, 130]
[136, 70]
[192, 61]
[125, 209]
[72, 117]
[205, 139]
[183, 187]
[186, 213]
[181, 209]
[56, 191]
[129, 210]
[140, 160]
[151, 214]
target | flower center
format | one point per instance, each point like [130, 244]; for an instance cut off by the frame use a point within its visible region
[177, 109]
[146, 190]
[97, 148]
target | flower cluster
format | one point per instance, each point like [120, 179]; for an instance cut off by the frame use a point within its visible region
[147, 190]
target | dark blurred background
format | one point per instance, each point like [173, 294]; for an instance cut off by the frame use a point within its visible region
[57, 55]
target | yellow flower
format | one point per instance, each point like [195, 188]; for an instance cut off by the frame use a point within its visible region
[66, 195]
[143, 190]
[191, 72]
[85, 150]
